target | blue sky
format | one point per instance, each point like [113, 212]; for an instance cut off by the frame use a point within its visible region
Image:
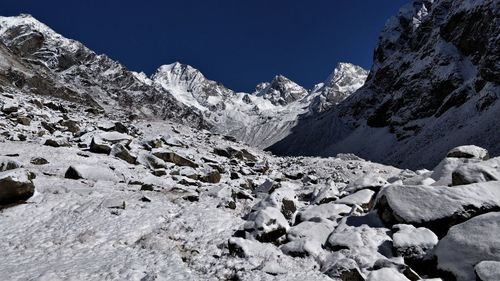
[239, 43]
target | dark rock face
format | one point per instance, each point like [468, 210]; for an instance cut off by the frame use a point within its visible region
[120, 151]
[73, 173]
[434, 85]
[15, 186]
[98, 146]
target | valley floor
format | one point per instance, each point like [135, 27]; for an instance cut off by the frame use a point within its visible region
[154, 200]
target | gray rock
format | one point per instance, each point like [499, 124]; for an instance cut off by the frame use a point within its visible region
[487, 271]
[57, 142]
[175, 158]
[24, 120]
[469, 151]
[345, 270]
[267, 225]
[469, 243]
[437, 208]
[7, 163]
[120, 151]
[475, 172]
[99, 146]
[211, 177]
[39, 161]
[15, 186]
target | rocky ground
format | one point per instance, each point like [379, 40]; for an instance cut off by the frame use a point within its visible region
[88, 195]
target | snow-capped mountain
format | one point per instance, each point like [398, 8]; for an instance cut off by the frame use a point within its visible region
[345, 80]
[177, 91]
[434, 84]
[260, 118]
[100, 178]
[57, 66]
[281, 91]
[189, 86]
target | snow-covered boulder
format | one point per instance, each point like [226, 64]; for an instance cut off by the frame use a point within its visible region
[7, 163]
[477, 172]
[360, 198]
[437, 208]
[487, 271]
[16, 185]
[468, 151]
[151, 161]
[172, 157]
[386, 274]
[97, 145]
[411, 242]
[10, 106]
[469, 243]
[95, 173]
[331, 211]
[246, 248]
[443, 171]
[120, 151]
[57, 142]
[366, 245]
[342, 269]
[371, 181]
[307, 238]
[267, 225]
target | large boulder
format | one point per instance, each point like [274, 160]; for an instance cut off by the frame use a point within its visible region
[386, 274]
[468, 151]
[95, 173]
[151, 161]
[7, 163]
[245, 248]
[15, 186]
[477, 172]
[330, 211]
[267, 225]
[344, 269]
[411, 242]
[436, 208]
[487, 271]
[97, 145]
[10, 106]
[57, 142]
[172, 157]
[120, 151]
[360, 198]
[307, 238]
[468, 244]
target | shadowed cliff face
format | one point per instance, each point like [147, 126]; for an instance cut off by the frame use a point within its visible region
[434, 84]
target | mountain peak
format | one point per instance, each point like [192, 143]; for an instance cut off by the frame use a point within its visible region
[345, 79]
[281, 91]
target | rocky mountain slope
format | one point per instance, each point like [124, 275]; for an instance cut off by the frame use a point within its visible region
[100, 178]
[433, 85]
[53, 65]
[90, 196]
[177, 92]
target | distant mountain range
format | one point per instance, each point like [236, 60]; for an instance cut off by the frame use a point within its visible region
[176, 91]
[434, 85]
